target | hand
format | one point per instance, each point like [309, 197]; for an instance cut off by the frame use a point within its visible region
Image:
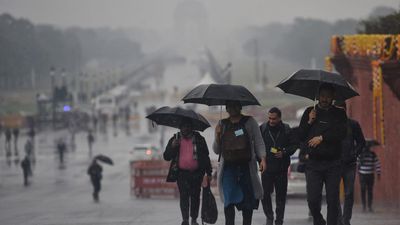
[175, 143]
[278, 154]
[315, 141]
[311, 116]
[206, 181]
[263, 165]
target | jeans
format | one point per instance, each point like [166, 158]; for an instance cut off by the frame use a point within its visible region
[367, 188]
[318, 173]
[229, 212]
[278, 180]
[348, 174]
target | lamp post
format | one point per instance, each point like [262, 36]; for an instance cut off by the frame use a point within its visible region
[53, 101]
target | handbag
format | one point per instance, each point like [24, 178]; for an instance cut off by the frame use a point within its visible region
[209, 211]
[173, 171]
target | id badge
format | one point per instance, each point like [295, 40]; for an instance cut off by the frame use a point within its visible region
[274, 150]
[239, 132]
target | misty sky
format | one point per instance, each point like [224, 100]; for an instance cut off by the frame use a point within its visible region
[157, 14]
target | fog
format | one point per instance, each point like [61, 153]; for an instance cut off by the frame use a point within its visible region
[158, 14]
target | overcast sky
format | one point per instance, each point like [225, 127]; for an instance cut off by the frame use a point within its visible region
[158, 14]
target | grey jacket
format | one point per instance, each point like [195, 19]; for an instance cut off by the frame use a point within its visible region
[258, 151]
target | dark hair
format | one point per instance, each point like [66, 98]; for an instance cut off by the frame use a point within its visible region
[326, 87]
[276, 110]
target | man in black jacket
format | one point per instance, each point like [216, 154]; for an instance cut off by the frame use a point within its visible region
[322, 128]
[280, 145]
[352, 146]
[189, 156]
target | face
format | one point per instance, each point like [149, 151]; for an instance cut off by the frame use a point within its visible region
[186, 130]
[233, 109]
[325, 98]
[273, 119]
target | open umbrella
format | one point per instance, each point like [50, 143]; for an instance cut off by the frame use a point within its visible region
[104, 159]
[306, 83]
[218, 94]
[173, 117]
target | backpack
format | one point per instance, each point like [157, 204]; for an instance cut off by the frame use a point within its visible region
[235, 142]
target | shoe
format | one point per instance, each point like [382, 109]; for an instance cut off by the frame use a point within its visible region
[185, 222]
[270, 222]
[194, 222]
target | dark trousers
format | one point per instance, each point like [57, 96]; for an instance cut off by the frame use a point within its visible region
[96, 187]
[367, 188]
[348, 174]
[229, 212]
[189, 185]
[279, 181]
[319, 173]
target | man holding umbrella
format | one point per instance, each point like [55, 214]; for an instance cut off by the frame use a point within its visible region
[95, 172]
[322, 129]
[189, 154]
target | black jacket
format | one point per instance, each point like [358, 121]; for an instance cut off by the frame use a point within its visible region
[353, 143]
[172, 154]
[284, 141]
[331, 124]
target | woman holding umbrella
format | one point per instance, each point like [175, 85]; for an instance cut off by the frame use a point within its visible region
[238, 179]
[95, 172]
[189, 154]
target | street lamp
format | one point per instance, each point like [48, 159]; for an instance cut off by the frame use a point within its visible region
[53, 101]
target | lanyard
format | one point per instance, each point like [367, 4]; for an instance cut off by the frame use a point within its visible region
[272, 137]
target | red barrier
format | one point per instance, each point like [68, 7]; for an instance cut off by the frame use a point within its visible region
[148, 178]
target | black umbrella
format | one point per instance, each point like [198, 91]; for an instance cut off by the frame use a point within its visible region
[173, 117]
[218, 94]
[104, 159]
[306, 83]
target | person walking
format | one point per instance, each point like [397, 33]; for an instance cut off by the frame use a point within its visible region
[8, 136]
[95, 173]
[61, 148]
[240, 145]
[323, 128]
[280, 145]
[368, 164]
[16, 135]
[190, 168]
[352, 146]
[90, 139]
[26, 169]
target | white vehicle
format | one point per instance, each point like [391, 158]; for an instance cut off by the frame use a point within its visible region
[145, 152]
[108, 103]
[296, 180]
[105, 104]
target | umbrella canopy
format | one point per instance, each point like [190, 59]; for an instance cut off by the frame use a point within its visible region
[218, 94]
[173, 117]
[104, 159]
[306, 83]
